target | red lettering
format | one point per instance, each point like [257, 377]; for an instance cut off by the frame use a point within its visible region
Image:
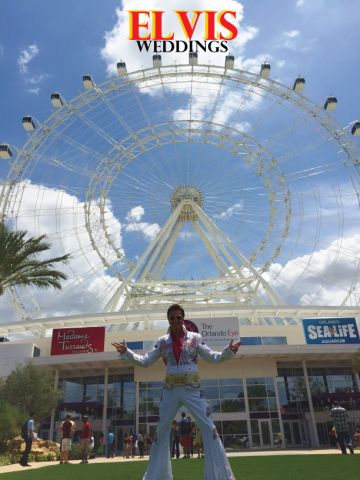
[135, 25]
[232, 29]
[156, 30]
[210, 25]
[187, 26]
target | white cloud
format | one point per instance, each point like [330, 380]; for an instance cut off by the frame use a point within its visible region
[133, 217]
[36, 79]
[34, 91]
[292, 34]
[2, 50]
[228, 213]
[149, 230]
[300, 3]
[26, 56]
[320, 278]
[118, 47]
[290, 40]
[135, 214]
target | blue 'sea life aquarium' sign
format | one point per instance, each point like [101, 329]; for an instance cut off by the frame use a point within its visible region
[331, 330]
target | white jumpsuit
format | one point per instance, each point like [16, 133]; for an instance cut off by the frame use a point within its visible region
[190, 395]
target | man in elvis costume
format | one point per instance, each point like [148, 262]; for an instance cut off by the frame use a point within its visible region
[179, 349]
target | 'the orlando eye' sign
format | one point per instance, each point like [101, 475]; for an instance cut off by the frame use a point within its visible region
[331, 330]
[67, 341]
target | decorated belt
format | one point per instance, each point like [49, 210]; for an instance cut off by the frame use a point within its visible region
[180, 379]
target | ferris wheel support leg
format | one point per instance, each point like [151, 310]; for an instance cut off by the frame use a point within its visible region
[165, 254]
[115, 299]
[219, 262]
[162, 243]
[275, 298]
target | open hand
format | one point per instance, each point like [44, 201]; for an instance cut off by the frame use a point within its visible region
[234, 346]
[121, 347]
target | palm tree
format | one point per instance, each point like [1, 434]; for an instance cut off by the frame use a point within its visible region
[19, 265]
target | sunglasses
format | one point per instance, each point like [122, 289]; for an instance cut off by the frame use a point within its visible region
[178, 317]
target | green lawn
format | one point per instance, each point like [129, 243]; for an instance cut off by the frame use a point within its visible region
[289, 467]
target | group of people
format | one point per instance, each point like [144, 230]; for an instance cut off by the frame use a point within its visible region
[187, 435]
[87, 441]
[134, 442]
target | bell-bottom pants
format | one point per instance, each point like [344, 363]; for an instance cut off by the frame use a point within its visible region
[217, 466]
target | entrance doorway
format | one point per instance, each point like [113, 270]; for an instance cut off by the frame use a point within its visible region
[266, 436]
[294, 433]
[119, 438]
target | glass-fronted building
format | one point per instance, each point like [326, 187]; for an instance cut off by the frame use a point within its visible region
[276, 393]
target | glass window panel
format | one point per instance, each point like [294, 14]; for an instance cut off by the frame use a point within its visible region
[235, 405]
[255, 381]
[275, 425]
[73, 390]
[269, 381]
[256, 441]
[340, 383]
[256, 391]
[270, 391]
[90, 394]
[254, 426]
[297, 389]
[231, 381]
[152, 409]
[214, 405]
[210, 383]
[129, 387]
[272, 404]
[211, 392]
[232, 392]
[251, 341]
[234, 427]
[274, 340]
[258, 404]
[150, 385]
[142, 395]
[317, 384]
[155, 393]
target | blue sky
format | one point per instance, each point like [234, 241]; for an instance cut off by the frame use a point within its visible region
[48, 46]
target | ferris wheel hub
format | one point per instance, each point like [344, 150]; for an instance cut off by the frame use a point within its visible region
[188, 194]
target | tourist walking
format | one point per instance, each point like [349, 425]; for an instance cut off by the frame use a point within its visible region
[340, 418]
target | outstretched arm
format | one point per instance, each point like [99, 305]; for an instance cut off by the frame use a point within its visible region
[234, 346]
[132, 357]
[216, 357]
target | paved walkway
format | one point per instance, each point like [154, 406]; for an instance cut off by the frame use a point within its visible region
[253, 453]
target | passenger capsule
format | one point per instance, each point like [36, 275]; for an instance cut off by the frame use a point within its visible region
[5, 151]
[121, 68]
[88, 82]
[229, 61]
[265, 70]
[157, 63]
[56, 100]
[193, 58]
[355, 130]
[28, 124]
[299, 84]
[330, 104]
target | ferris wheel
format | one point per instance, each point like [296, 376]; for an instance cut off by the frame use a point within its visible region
[190, 183]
